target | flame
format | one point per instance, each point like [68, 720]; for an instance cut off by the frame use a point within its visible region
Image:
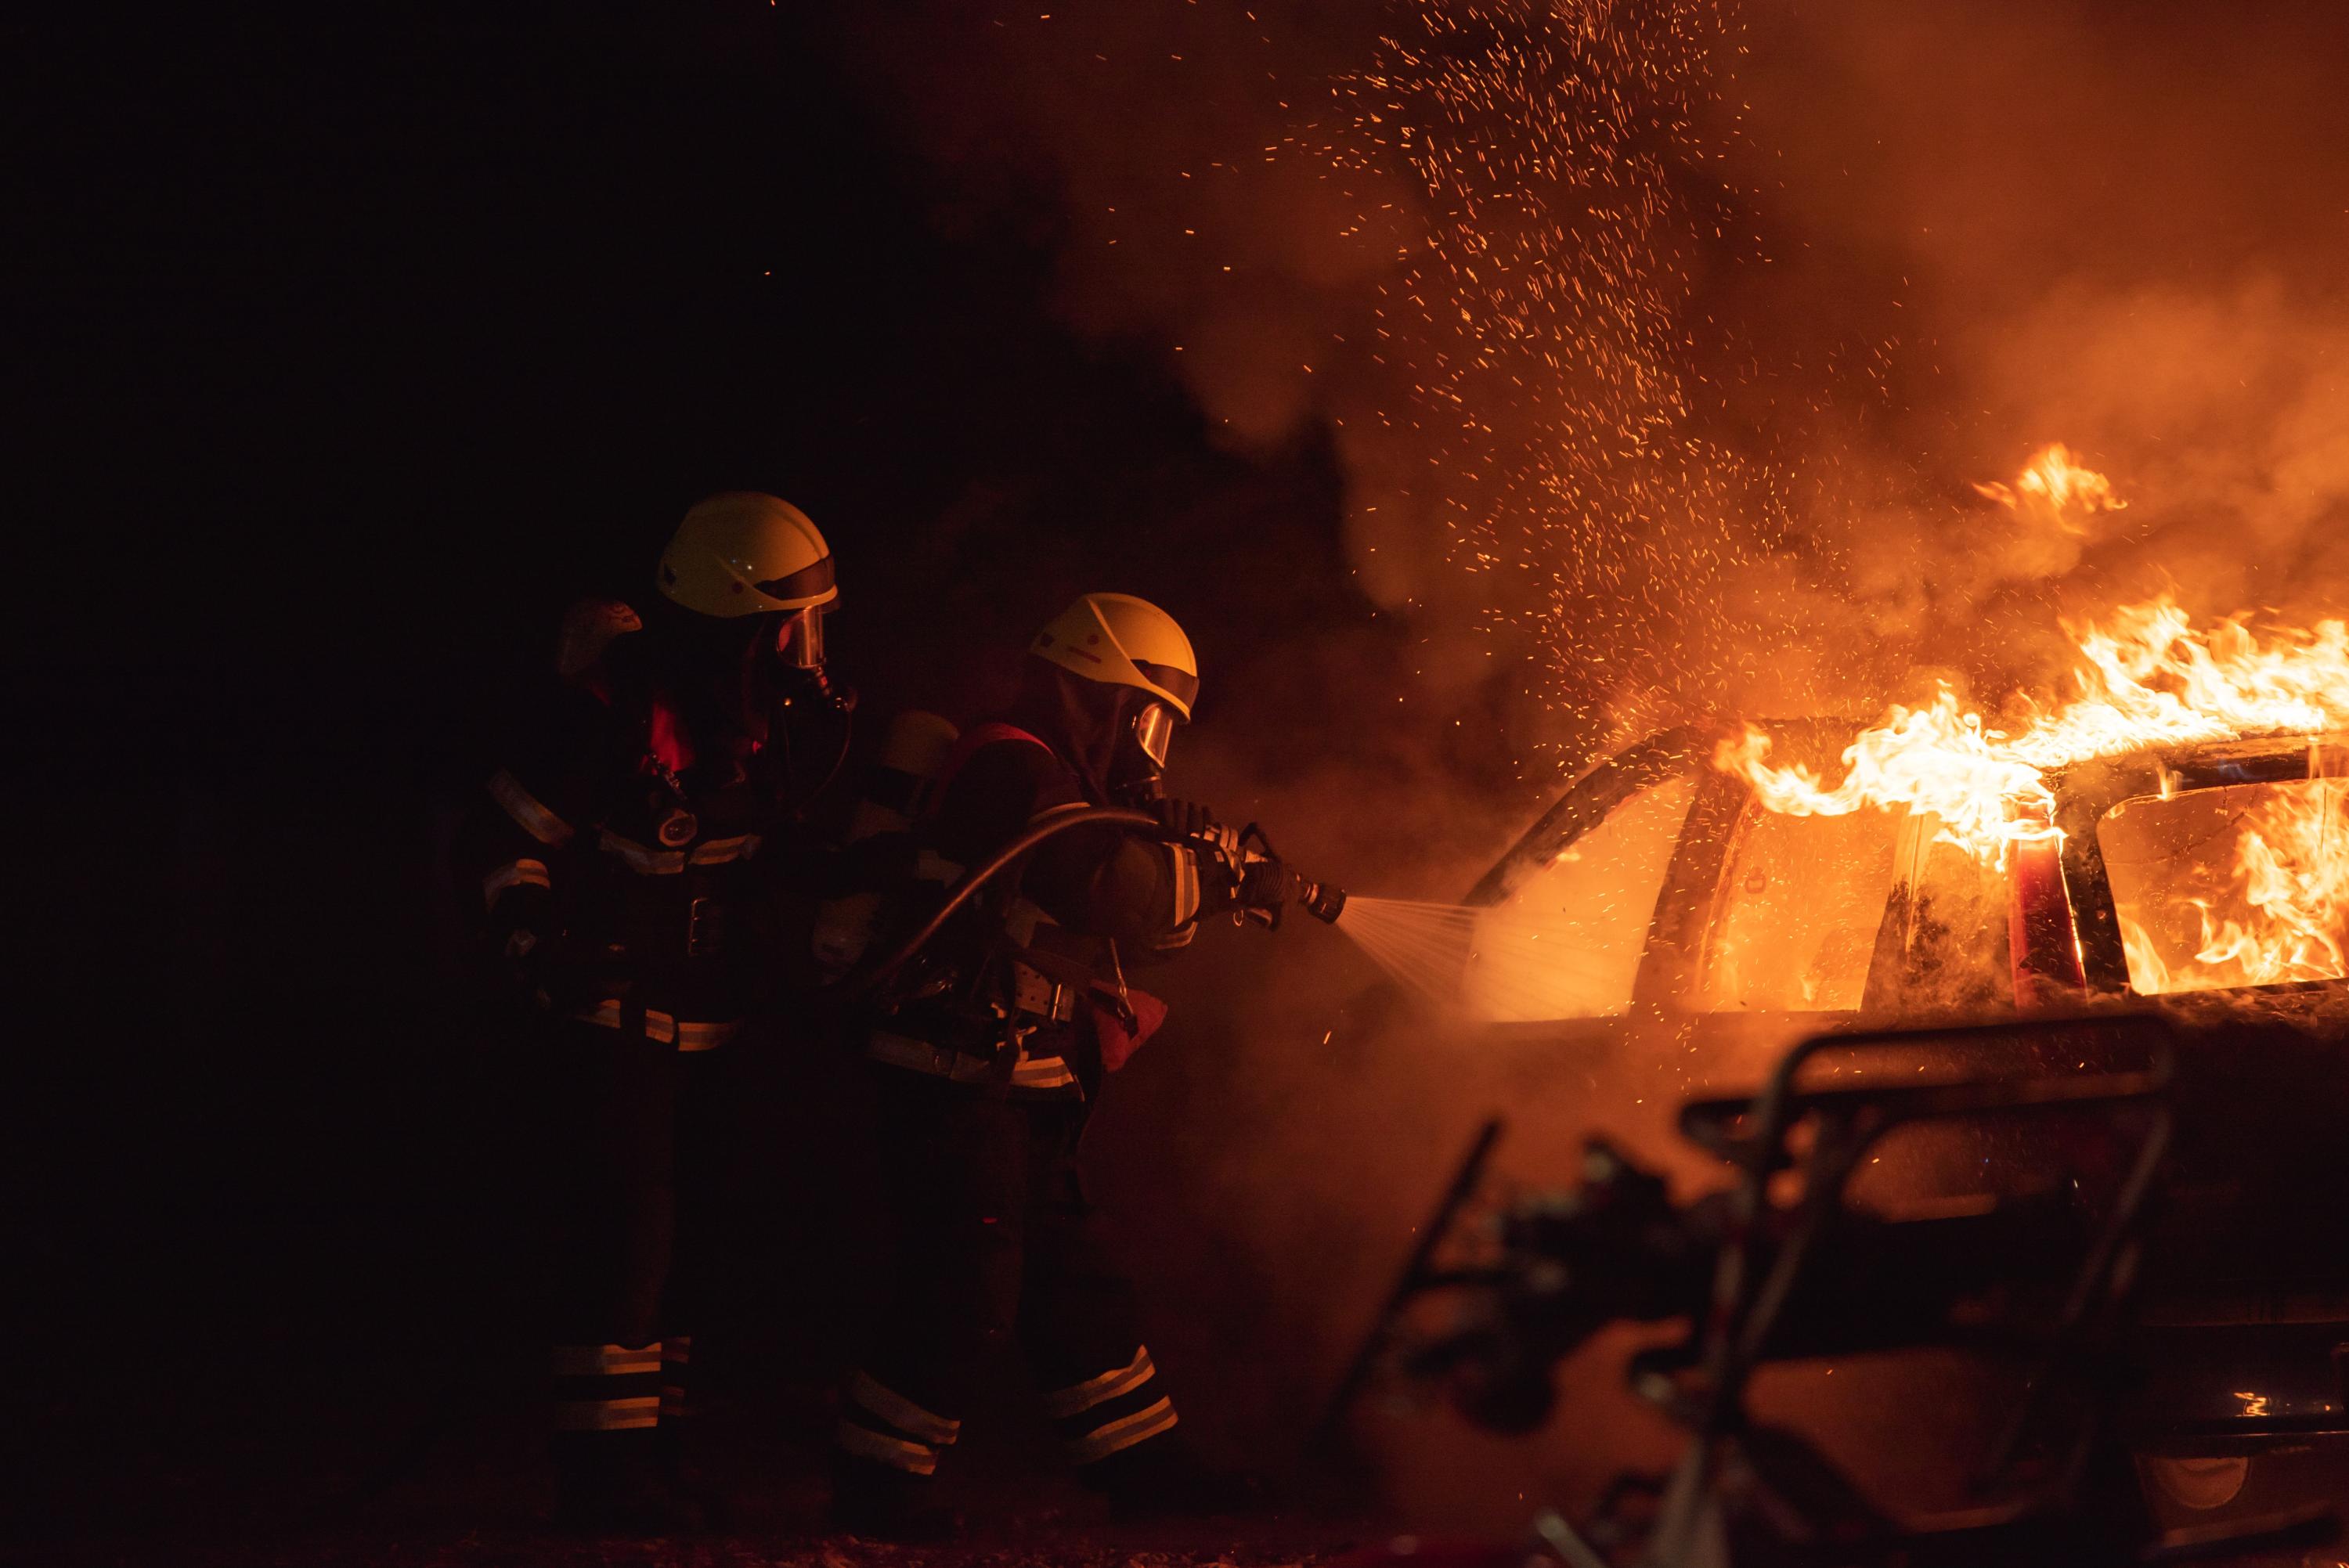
[1939, 759]
[2055, 488]
[2291, 892]
[2147, 676]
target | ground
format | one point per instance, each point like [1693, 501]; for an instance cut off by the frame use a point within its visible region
[1047, 1542]
[361, 1472]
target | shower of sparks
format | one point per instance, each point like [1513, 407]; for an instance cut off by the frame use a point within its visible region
[1567, 149]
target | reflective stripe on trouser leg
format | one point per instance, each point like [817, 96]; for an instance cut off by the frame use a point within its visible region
[607, 1387]
[677, 1356]
[880, 1424]
[1112, 1411]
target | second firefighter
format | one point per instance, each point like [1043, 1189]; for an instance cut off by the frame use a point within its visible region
[990, 1047]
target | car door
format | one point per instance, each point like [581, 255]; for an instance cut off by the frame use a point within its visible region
[1749, 929]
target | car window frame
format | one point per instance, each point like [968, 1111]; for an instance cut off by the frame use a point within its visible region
[2086, 791]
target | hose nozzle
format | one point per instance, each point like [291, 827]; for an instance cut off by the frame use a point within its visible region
[1321, 901]
[1263, 885]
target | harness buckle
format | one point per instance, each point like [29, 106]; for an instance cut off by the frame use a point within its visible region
[705, 927]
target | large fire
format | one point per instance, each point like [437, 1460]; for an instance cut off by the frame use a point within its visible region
[2147, 677]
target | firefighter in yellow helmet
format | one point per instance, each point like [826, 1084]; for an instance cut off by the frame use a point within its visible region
[612, 844]
[990, 1055]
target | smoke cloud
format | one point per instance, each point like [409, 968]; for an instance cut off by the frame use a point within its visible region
[1673, 337]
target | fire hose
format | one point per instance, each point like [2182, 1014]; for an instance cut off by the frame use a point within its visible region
[1319, 900]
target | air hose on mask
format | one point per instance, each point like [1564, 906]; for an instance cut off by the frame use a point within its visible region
[1275, 885]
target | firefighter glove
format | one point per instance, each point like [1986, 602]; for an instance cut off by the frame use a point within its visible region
[1265, 884]
[1184, 818]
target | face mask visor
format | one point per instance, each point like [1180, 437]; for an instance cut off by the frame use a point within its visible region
[799, 641]
[1153, 732]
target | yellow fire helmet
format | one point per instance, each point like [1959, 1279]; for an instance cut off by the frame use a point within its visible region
[747, 554]
[1120, 640]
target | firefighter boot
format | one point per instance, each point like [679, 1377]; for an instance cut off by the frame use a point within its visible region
[621, 1483]
[702, 1494]
[697, 1496]
[1164, 1479]
[883, 1503]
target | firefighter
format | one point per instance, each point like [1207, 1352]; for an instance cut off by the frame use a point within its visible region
[615, 845]
[990, 1055]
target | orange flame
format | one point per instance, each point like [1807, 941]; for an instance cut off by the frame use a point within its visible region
[2057, 488]
[1937, 759]
[2286, 907]
[2149, 677]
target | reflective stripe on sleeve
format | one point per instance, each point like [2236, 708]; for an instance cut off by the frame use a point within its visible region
[903, 1413]
[640, 858]
[607, 1415]
[1079, 1397]
[1187, 883]
[959, 1066]
[646, 861]
[1124, 1433]
[703, 1036]
[663, 1027]
[529, 812]
[605, 1360]
[513, 873]
[914, 1459]
[718, 851]
[1042, 1072]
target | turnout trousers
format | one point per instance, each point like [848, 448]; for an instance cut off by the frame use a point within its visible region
[995, 1243]
[629, 1168]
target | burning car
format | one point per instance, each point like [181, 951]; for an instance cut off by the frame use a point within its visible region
[1663, 879]
[2172, 846]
